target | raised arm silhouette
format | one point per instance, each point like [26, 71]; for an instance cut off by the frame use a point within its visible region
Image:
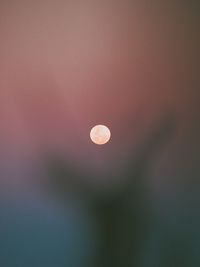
[123, 214]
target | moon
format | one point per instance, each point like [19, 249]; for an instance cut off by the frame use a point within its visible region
[100, 134]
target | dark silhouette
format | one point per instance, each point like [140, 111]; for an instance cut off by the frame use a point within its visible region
[122, 213]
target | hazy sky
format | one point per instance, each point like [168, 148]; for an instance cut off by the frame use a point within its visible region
[66, 66]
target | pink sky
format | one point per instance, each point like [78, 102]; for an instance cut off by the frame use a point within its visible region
[65, 67]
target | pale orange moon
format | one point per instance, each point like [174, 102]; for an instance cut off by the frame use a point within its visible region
[100, 134]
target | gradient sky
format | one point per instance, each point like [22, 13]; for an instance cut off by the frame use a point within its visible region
[66, 66]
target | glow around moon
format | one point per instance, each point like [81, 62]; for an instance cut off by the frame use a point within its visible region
[100, 134]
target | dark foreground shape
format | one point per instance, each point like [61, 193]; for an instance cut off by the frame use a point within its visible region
[123, 215]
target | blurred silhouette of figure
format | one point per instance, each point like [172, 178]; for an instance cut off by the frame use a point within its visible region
[123, 213]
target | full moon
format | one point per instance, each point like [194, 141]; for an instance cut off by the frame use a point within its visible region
[100, 134]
